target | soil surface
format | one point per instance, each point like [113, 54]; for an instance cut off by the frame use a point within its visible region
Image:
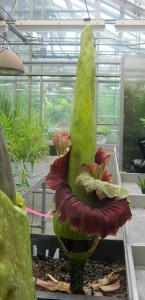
[94, 270]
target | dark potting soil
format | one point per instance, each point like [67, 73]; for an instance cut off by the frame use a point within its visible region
[94, 270]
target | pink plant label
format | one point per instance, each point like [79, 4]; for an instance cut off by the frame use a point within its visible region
[34, 212]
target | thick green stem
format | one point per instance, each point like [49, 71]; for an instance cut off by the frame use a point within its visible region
[77, 276]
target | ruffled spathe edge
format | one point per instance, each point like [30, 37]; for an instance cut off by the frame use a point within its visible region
[103, 188]
[58, 171]
[105, 218]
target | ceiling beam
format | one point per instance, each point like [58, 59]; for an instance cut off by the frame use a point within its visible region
[130, 25]
[58, 25]
[67, 61]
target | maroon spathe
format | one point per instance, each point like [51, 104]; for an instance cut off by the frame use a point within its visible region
[103, 220]
[107, 216]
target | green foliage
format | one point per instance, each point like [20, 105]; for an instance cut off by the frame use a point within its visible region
[5, 104]
[108, 104]
[141, 182]
[24, 133]
[102, 129]
[133, 128]
[26, 138]
[142, 121]
[22, 170]
[134, 98]
[58, 111]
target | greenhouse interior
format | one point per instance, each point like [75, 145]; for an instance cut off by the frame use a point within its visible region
[72, 124]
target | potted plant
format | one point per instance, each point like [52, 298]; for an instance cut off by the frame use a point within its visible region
[48, 270]
[141, 184]
[87, 206]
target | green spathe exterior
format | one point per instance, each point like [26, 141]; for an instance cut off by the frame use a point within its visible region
[16, 280]
[83, 132]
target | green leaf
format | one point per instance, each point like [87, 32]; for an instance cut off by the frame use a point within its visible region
[141, 182]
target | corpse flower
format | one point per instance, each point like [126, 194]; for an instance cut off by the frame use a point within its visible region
[87, 206]
[109, 210]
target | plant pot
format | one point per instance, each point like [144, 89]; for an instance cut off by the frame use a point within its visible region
[143, 190]
[109, 250]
